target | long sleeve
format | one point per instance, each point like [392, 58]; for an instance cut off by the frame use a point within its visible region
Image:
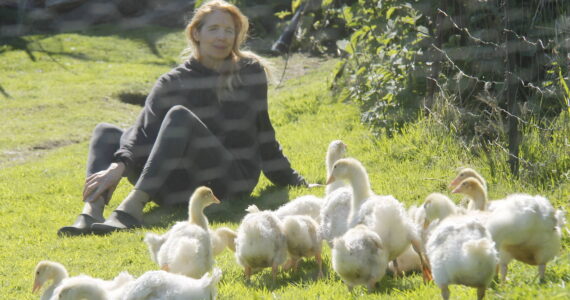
[275, 164]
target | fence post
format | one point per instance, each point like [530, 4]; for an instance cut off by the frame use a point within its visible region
[511, 85]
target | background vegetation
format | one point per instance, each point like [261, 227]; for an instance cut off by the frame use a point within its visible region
[494, 72]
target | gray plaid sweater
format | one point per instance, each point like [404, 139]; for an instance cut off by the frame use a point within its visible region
[239, 119]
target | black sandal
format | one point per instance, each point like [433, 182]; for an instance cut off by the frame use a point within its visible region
[118, 220]
[81, 226]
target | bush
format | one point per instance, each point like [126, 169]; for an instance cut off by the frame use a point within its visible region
[499, 80]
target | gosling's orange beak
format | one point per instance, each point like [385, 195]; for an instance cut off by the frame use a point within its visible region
[454, 183]
[455, 191]
[331, 179]
[215, 200]
[36, 287]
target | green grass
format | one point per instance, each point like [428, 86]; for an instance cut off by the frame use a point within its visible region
[75, 81]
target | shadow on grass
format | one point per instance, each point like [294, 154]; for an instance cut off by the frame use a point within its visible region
[388, 285]
[34, 45]
[16, 43]
[132, 98]
[228, 211]
[306, 273]
[147, 35]
[4, 93]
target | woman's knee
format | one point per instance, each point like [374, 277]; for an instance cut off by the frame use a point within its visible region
[180, 115]
[106, 133]
[106, 128]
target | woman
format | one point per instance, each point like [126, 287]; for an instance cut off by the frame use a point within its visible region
[204, 123]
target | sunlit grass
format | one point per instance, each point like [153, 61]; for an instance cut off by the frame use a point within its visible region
[58, 107]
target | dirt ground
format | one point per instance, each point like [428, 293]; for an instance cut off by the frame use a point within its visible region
[297, 65]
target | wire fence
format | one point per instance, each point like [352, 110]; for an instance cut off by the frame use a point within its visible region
[502, 81]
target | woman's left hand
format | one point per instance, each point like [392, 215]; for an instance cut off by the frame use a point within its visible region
[103, 183]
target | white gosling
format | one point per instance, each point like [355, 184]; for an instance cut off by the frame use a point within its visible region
[307, 205]
[383, 214]
[48, 271]
[336, 206]
[186, 248]
[161, 285]
[311, 205]
[335, 151]
[86, 287]
[82, 289]
[437, 207]
[260, 242]
[359, 257]
[463, 174]
[65, 287]
[303, 240]
[154, 242]
[524, 227]
[334, 214]
[221, 238]
[409, 260]
[461, 251]
[417, 214]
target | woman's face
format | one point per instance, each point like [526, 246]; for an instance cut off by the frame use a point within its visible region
[215, 38]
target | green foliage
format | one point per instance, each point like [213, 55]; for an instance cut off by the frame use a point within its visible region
[382, 73]
[295, 4]
[320, 26]
[545, 153]
[282, 14]
[198, 3]
[404, 57]
[565, 88]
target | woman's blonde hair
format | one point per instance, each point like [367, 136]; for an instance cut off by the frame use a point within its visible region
[229, 76]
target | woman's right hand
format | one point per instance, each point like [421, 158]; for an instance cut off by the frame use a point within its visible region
[103, 181]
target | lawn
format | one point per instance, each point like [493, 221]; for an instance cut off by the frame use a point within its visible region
[56, 88]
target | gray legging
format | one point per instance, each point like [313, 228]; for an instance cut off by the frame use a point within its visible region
[184, 156]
